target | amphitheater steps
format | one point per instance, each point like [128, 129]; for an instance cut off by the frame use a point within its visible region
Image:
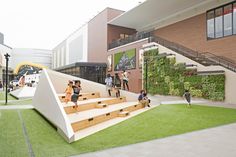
[100, 126]
[85, 119]
[91, 104]
[82, 96]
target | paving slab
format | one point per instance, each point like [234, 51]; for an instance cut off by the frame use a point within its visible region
[213, 142]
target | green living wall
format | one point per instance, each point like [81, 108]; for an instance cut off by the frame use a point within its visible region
[166, 77]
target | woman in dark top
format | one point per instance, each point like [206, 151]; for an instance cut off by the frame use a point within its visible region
[117, 84]
[75, 95]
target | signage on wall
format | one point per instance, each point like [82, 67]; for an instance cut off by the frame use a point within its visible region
[109, 63]
[125, 60]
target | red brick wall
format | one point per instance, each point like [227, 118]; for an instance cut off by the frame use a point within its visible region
[192, 34]
[135, 76]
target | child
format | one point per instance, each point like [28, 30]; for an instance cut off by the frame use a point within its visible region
[108, 82]
[68, 91]
[76, 91]
[117, 85]
[187, 96]
[143, 99]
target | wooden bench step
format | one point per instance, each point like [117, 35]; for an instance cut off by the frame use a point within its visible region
[101, 105]
[92, 117]
[123, 114]
[82, 96]
[91, 104]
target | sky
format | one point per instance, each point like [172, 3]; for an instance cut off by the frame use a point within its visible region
[45, 23]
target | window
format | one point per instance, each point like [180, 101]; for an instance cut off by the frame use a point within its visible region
[234, 18]
[219, 23]
[122, 36]
[210, 25]
[228, 20]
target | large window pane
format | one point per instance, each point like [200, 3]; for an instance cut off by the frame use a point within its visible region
[210, 25]
[234, 19]
[228, 20]
[219, 22]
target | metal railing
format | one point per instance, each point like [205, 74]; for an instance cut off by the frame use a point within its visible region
[204, 58]
[130, 39]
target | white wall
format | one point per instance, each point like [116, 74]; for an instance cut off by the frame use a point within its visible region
[37, 56]
[73, 49]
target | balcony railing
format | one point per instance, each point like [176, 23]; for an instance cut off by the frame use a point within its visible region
[204, 58]
[130, 39]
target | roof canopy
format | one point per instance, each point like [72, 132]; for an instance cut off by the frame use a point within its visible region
[153, 12]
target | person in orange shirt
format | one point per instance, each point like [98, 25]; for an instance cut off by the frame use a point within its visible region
[68, 91]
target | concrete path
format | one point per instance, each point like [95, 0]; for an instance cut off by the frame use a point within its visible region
[179, 100]
[214, 142]
[16, 107]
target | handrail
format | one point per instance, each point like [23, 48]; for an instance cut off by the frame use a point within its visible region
[129, 39]
[205, 58]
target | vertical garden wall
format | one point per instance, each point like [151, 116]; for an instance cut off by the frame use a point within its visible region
[166, 77]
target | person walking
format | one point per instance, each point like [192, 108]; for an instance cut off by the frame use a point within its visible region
[125, 79]
[187, 96]
[117, 84]
[1, 86]
[108, 82]
[75, 96]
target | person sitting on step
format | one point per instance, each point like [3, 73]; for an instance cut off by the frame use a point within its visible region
[143, 99]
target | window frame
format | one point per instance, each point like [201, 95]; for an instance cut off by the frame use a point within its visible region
[232, 21]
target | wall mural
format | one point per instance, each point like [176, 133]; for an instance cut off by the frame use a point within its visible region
[109, 63]
[27, 70]
[125, 60]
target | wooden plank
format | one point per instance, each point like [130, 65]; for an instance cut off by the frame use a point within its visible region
[92, 105]
[104, 117]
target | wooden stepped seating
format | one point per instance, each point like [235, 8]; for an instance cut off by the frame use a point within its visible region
[101, 105]
[85, 119]
[91, 104]
[82, 96]
[123, 114]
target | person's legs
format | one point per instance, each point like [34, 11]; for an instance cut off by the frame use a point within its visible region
[123, 84]
[127, 85]
[109, 92]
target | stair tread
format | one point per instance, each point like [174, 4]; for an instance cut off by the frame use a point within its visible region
[87, 101]
[98, 127]
[83, 115]
[63, 94]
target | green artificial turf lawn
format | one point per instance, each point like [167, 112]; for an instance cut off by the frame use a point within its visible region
[18, 102]
[12, 142]
[162, 121]
[2, 96]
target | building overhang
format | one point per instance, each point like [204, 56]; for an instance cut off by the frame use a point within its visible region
[154, 14]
